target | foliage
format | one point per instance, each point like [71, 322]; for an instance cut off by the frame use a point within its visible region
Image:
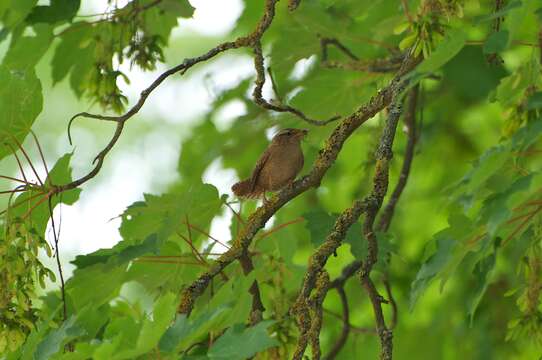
[462, 190]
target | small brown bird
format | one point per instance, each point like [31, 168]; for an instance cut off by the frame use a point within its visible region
[277, 167]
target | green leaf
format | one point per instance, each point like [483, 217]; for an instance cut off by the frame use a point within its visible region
[162, 316]
[489, 163]
[54, 341]
[493, 15]
[20, 95]
[59, 10]
[119, 254]
[470, 63]
[446, 241]
[185, 332]
[60, 174]
[105, 282]
[511, 88]
[527, 135]
[166, 214]
[444, 52]
[534, 101]
[234, 294]
[495, 209]
[20, 104]
[431, 268]
[27, 51]
[159, 22]
[17, 11]
[239, 342]
[320, 224]
[482, 273]
[73, 53]
[181, 8]
[176, 332]
[201, 146]
[151, 330]
[497, 42]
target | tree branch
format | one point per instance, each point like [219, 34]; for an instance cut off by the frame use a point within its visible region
[356, 64]
[317, 262]
[346, 326]
[410, 125]
[258, 97]
[384, 155]
[323, 162]
[317, 313]
[388, 212]
[244, 41]
[370, 205]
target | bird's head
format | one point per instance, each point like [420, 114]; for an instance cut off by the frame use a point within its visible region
[290, 135]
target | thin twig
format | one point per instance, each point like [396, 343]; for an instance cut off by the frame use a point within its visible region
[29, 161]
[23, 201]
[345, 329]
[14, 152]
[57, 255]
[13, 191]
[281, 226]
[258, 97]
[38, 203]
[325, 42]
[410, 124]
[274, 85]
[41, 154]
[237, 215]
[354, 329]
[521, 226]
[207, 234]
[391, 301]
[194, 251]
[14, 179]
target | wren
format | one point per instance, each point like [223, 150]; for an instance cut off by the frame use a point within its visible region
[277, 167]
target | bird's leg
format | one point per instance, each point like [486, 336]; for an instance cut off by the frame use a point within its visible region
[264, 198]
[290, 184]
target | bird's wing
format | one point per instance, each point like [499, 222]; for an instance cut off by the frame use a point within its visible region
[258, 168]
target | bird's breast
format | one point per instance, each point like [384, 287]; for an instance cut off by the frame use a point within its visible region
[283, 165]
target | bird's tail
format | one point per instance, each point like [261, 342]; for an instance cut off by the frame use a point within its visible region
[244, 189]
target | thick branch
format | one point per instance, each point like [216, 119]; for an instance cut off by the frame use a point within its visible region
[384, 155]
[370, 205]
[385, 219]
[316, 265]
[317, 313]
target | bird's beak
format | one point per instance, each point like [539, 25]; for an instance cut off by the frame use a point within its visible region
[302, 133]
